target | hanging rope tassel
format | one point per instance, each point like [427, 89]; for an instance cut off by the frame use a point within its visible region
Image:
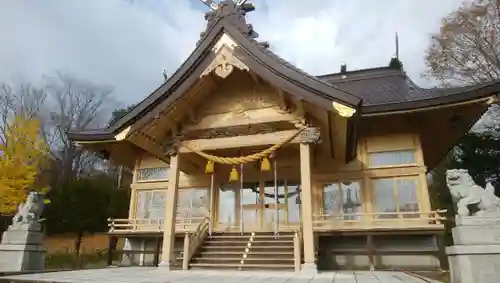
[209, 168]
[265, 165]
[234, 176]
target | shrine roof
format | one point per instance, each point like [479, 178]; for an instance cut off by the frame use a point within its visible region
[229, 20]
[376, 90]
[388, 89]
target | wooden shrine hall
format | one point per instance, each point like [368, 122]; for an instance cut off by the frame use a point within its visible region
[243, 161]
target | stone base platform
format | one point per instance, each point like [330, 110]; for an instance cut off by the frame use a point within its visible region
[21, 249]
[159, 275]
[475, 257]
[474, 263]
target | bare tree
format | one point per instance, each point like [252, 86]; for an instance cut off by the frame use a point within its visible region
[467, 51]
[25, 99]
[467, 48]
[78, 105]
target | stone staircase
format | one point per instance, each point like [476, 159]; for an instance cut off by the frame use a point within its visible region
[231, 250]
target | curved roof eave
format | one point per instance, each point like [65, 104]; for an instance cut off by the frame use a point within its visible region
[99, 135]
[157, 96]
[171, 83]
[444, 98]
[299, 84]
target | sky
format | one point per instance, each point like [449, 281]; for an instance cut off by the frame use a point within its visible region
[126, 43]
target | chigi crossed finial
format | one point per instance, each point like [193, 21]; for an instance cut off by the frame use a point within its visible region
[214, 5]
[233, 11]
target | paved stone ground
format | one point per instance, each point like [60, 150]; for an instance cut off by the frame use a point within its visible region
[159, 275]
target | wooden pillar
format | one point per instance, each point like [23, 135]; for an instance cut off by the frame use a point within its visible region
[111, 249]
[170, 211]
[237, 208]
[156, 259]
[133, 191]
[371, 252]
[307, 211]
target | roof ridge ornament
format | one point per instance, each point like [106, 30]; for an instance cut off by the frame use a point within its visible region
[214, 5]
[233, 11]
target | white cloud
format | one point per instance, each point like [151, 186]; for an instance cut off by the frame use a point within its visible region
[127, 43]
[321, 35]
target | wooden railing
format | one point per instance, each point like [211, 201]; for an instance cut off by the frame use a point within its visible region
[152, 225]
[297, 249]
[290, 227]
[235, 227]
[135, 225]
[321, 222]
[189, 224]
[381, 220]
[192, 242]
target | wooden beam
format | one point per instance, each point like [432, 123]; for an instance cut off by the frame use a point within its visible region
[301, 114]
[339, 137]
[255, 78]
[141, 140]
[193, 118]
[300, 109]
[308, 135]
[282, 100]
[258, 116]
[330, 129]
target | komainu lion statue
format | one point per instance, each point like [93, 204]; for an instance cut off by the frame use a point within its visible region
[30, 211]
[466, 193]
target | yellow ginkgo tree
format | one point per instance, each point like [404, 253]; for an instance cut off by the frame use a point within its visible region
[21, 157]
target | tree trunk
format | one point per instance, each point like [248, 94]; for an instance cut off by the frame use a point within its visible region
[78, 243]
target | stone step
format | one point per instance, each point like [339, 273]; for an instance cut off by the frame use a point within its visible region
[237, 259]
[241, 248]
[266, 236]
[244, 243]
[239, 266]
[226, 250]
[221, 254]
[248, 234]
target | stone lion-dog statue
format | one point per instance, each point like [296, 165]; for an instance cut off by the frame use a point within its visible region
[466, 193]
[30, 211]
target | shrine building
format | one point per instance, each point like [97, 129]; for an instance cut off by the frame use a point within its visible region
[243, 161]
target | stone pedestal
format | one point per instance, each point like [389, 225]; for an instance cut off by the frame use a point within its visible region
[21, 248]
[475, 257]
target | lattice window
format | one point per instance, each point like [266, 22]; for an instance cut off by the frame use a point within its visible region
[150, 204]
[194, 202]
[391, 158]
[395, 195]
[343, 199]
[153, 174]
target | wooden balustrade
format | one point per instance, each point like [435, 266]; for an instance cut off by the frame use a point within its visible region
[192, 242]
[381, 220]
[151, 225]
[321, 222]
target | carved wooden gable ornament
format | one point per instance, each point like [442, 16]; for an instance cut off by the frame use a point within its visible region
[225, 61]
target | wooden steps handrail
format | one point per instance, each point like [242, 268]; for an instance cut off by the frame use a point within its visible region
[192, 242]
[297, 249]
